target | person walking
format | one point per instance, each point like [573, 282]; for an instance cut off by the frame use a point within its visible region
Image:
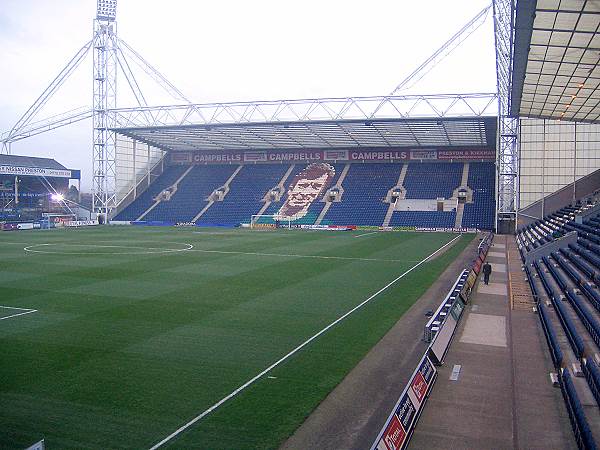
[487, 270]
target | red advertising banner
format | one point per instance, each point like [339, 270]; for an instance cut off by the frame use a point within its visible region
[266, 156]
[418, 386]
[393, 437]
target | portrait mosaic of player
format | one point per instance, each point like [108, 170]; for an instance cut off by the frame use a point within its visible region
[305, 188]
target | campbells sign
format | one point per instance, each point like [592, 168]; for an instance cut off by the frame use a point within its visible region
[34, 171]
[274, 156]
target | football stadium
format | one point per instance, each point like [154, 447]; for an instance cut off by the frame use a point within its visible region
[388, 272]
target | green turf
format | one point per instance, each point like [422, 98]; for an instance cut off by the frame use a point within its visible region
[132, 340]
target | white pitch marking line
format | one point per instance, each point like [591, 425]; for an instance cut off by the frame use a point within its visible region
[13, 307]
[19, 314]
[290, 255]
[365, 234]
[153, 250]
[294, 351]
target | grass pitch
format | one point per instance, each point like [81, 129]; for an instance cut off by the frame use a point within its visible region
[116, 337]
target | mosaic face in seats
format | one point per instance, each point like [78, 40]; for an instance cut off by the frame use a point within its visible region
[305, 188]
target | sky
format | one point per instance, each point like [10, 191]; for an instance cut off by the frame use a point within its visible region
[232, 50]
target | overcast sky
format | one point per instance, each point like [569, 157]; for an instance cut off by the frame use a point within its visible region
[235, 50]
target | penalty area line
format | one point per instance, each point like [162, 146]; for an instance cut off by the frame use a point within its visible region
[25, 311]
[365, 234]
[294, 351]
[292, 255]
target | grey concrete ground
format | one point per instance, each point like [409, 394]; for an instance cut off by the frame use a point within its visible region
[503, 398]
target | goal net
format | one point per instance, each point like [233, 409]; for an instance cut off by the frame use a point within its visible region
[270, 221]
[57, 220]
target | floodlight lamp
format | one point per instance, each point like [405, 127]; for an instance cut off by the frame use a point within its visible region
[106, 10]
[57, 197]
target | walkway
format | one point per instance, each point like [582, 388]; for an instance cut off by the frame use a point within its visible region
[502, 397]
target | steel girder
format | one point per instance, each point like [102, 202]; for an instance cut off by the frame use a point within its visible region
[307, 110]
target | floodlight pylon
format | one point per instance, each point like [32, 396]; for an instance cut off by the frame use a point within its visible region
[109, 55]
[104, 99]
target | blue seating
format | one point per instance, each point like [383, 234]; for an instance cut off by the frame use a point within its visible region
[572, 273]
[365, 188]
[192, 193]
[555, 351]
[434, 219]
[146, 199]
[568, 325]
[480, 214]
[581, 428]
[244, 199]
[592, 375]
[432, 180]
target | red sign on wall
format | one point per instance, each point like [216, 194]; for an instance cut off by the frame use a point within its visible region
[394, 436]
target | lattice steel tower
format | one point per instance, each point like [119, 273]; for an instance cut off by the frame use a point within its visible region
[507, 164]
[104, 99]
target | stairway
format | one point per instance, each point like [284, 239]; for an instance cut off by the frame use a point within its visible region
[174, 186]
[460, 210]
[521, 297]
[465, 175]
[226, 185]
[279, 186]
[337, 185]
[392, 208]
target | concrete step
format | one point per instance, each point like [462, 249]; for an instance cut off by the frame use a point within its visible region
[521, 297]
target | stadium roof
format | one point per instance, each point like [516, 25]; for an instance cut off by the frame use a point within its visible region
[377, 122]
[480, 132]
[30, 161]
[556, 54]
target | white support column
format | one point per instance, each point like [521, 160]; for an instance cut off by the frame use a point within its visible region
[134, 142]
[148, 165]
